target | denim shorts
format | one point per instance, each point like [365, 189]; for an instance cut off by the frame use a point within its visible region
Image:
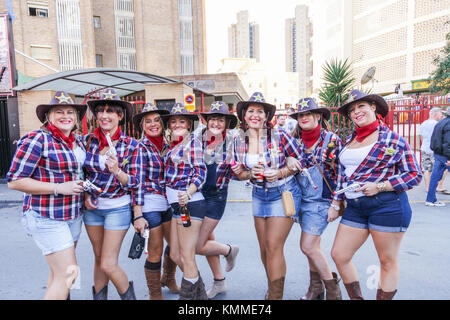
[386, 212]
[267, 202]
[51, 235]
[197, 209]
[110, 219]
[156, 218]
[313, 217]
[216, 200]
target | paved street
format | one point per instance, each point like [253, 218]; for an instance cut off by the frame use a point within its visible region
[424, 255]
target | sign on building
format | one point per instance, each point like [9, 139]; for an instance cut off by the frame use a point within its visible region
[6, 72]
[189, 102]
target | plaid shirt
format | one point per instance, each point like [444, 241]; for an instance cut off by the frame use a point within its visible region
[43, 157]
[130, 162]
[152, 171]
[276, 148]
[390, 158]
[329, 171]
[222, 155]
[184, 165]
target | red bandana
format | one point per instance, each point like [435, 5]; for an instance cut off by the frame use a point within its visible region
[364, 132]
[102, 138]
[309, 137]
[176, 141]
[211, 139]
[57, 133]
[157, 141]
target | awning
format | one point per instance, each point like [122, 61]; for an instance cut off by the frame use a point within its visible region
[81, 82]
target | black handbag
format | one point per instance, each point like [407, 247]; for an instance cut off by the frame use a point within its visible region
[137, 246]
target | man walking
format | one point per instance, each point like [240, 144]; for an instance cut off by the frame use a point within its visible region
[440, 144]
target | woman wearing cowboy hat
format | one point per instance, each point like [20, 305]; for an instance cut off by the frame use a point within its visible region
[47, 167]
[185, 173]
[320, 147]
[384, 166]
[217, 156]
[260, 154]
[116, 171]
[152, 210]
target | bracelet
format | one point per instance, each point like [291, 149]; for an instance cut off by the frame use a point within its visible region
[118, 172]
[335, 206]
[248, 175]
[189, 196]
[55, 193]
[134, 220]
[381, 186]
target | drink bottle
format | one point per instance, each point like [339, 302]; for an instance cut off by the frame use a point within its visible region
[185, 216]
[260, 177]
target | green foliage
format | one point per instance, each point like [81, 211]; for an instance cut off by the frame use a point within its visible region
[440, 78]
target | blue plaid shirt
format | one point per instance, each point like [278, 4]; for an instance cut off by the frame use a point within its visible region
[184, 165]
[152, 171]
[43, 157]
[130, 162]
[391, 158]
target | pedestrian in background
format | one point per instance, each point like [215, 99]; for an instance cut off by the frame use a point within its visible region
[260, 155]
[151, 210]
[385, 167]
[440, 144]
[320, 147]
[185, 173]
[426, 130]
[281, 120]
[47, 167]
[217, 151]
[116, 171]
[290, 123]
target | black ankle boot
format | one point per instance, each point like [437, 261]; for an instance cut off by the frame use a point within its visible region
[101, 295]
[129, 294]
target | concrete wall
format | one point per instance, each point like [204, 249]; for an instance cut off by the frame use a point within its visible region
[28, 101]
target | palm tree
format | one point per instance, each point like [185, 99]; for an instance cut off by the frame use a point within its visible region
[339, 80]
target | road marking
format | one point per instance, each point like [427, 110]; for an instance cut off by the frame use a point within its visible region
[245, 200]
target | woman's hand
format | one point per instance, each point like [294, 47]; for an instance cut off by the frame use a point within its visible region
[183, 198]
[369, 189]
[70, 188]
[293, 164]
[237, 169]
[140, 225]
[333, 214]
[112, 164]
[256, 171]
[88, 202]
[272, 175]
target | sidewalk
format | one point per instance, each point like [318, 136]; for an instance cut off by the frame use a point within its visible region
[9, 196]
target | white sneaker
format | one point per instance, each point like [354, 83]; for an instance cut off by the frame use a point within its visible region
[435, 204]
[217, 287]
[231, 258]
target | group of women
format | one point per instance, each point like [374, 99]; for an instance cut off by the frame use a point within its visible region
[174, 182]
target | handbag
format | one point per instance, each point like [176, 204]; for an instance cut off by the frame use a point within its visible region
[288, 203]
[343, 203]
[137, 246]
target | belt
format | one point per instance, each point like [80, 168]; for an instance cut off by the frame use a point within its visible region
[274, 184]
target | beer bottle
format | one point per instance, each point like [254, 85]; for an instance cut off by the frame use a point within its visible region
[185, 216]
[260, 177]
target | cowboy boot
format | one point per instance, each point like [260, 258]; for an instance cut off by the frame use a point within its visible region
[129, 294]
[200, 289]
[315, 290]
[354, 291]
[332, 288]
[168, 276]
[276, 288]
[153, 283]
[382, 295]
[101, 295]
[187, 290]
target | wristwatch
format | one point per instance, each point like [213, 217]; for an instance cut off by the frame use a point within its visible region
[335, 207]
[381, 187]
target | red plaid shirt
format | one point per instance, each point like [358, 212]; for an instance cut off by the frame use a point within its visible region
[391, 158]
[43, 157]
[130, 162]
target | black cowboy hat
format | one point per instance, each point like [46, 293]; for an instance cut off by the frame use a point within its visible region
[310, 105]
[355, 95]
[110, 97]
[147, 109]
[220, 108]
[256, 98]
[60, 98]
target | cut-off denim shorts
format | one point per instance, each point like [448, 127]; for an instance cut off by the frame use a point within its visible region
[51, 235]
[156, 218]
[197, 210]
[313, 217]
[216, 200]
[267, 202]
[110, 219]
[386, 212]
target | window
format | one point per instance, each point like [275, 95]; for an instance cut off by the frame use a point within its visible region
[99, 60]
[38, 12]
[97, 22]
[41, 52]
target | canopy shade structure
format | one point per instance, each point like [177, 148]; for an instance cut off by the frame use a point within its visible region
[81, 82]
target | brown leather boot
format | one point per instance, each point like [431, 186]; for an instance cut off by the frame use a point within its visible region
[168, 276]
[354, 291]
[315, 290]
[276, 288]
[332, 288]
[188, 290]
[382, 295]
[153, 283]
